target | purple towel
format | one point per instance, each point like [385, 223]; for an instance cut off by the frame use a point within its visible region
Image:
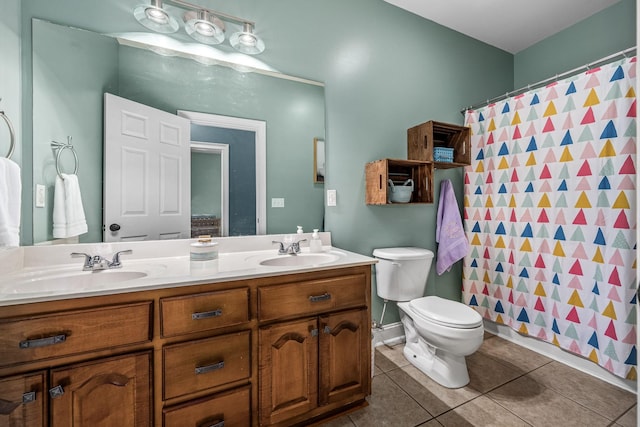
[452, 242]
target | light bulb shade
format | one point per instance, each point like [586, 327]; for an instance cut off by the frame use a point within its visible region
[247, 42]
[204, 27]
[155, 18]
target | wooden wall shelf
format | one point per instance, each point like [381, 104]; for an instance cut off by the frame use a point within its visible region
[421, 142]
[423, 138]
[380, 171]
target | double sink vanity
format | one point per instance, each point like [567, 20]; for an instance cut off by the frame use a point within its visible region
[259, 339]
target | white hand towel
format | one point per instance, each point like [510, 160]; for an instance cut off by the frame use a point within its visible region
[68, 212]
[10, 202]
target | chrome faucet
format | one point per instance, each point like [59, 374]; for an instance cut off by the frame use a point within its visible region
[97, 262]
[292, 249]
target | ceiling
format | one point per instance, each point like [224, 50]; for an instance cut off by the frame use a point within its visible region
[511, 25]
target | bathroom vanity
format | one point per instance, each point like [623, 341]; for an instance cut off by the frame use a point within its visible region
[250, 344]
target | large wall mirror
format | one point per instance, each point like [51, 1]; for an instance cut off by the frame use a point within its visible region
[73, 68]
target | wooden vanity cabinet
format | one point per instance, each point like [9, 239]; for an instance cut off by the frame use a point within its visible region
[95, 393]
[312, 366]
[279, 350]
[23, 401]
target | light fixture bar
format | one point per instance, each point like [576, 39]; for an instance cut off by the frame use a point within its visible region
[222, 15]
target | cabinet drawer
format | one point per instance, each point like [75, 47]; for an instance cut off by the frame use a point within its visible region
[202, 364]
[202, 312]
[304, 298]
[227, 409]
[37, 337]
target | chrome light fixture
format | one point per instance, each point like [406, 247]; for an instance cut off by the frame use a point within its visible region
[246, 42]
[155, 18]
[202, 24]
[204, 27]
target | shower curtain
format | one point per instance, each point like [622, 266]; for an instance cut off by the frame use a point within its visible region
[550, 212]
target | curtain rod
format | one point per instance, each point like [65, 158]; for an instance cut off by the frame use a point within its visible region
[601, 61]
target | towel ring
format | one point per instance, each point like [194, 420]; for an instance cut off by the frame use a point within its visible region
[12, 134]
[60, 147]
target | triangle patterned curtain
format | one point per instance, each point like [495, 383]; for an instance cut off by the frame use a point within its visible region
[550, 212]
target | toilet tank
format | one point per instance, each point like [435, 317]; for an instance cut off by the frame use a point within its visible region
[401, 273]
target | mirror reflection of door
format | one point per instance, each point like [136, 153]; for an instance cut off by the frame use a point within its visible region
[242, 175]
[246, 142]
[146, 173]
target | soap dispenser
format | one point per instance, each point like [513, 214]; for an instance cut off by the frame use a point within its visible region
[300, 230]
[315, 245]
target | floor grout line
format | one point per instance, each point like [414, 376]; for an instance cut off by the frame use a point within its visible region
[522, 372]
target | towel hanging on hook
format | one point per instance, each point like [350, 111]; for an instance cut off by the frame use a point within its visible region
[59, 147]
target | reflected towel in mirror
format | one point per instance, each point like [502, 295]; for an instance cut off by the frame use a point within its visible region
[10, 201]
[68, 212]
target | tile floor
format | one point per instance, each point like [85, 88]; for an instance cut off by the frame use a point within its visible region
[510, 386]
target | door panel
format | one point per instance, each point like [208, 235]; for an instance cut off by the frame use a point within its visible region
[147, 182]
[288, 370]
[93, 393]
[344, 346]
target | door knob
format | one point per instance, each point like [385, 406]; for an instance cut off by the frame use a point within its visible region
[114, 227]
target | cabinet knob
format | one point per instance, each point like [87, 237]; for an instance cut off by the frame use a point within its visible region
[56, 392]
[114, 227]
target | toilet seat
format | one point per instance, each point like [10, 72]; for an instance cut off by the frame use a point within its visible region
[445, 312]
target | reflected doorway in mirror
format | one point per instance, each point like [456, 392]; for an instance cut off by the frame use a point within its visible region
[318, 161]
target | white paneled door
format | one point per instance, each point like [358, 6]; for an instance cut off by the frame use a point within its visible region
[147, 181]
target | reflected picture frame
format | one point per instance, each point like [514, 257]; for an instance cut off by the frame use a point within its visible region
[319, 166]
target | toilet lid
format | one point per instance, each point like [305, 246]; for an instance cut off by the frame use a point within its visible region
[401, 254]
[446, 312]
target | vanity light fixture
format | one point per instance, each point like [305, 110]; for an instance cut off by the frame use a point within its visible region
[204, 27]
[202, 24]
[246, 42]
[154, 17]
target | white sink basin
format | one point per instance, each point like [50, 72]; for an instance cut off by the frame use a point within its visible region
[62, 282]
[300, 260]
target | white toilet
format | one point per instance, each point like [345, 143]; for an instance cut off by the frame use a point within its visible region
[439, 332]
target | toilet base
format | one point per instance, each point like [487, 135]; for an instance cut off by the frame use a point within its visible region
[444, 368]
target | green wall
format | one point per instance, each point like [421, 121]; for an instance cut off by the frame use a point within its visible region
[69, 81]
[205, 188]
[605, 33]
[385, 70]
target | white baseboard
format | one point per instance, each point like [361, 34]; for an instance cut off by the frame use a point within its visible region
[390, 334]
[393, 334]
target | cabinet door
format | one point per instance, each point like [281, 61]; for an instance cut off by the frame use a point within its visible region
[345, 346]
[113, 392]
[22, 402]
[288, 370]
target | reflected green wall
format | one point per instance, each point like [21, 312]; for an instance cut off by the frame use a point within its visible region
[205, 184]
[68, 62]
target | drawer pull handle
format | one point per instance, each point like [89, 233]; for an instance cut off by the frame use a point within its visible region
[57, 391]
[209, 368]
[206, 314]
[317, 298]
[43, 342]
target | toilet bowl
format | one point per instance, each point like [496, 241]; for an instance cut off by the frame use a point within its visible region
[438, 347]
[439, 333]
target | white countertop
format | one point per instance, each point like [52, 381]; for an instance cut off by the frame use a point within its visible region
[36, 274]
